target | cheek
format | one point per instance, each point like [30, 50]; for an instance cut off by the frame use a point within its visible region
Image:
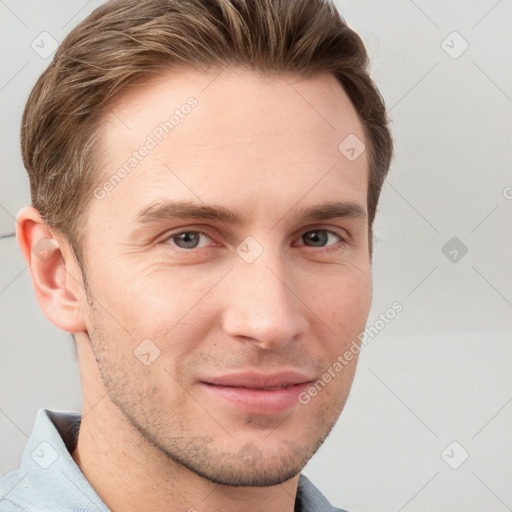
[148, 296]
[342, 299]
[173, 308]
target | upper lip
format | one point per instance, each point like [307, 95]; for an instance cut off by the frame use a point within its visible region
[255, 380]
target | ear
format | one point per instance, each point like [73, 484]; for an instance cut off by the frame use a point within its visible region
[56, 276]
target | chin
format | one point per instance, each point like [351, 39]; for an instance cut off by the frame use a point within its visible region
[249, 474]
[257, 464]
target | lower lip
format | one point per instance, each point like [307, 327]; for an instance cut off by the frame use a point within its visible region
[258, 401]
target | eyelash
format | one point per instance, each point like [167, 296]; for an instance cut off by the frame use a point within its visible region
[326, 248]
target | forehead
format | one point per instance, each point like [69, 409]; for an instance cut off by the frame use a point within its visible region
[232, 136]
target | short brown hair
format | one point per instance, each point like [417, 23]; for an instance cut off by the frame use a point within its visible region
[125, 41]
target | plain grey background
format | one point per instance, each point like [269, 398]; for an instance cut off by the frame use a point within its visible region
[440, 372]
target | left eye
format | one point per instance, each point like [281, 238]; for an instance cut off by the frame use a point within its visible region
[320, 238]
[189, 239]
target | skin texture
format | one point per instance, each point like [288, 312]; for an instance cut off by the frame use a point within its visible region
[266, 148]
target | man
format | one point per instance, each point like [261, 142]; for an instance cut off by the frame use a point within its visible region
[204, 179]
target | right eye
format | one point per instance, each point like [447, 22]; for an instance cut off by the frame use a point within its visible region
[188, 239]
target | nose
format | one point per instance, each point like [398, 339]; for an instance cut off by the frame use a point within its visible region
[262, 306]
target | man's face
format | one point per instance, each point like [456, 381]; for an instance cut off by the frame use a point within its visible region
[195, 313]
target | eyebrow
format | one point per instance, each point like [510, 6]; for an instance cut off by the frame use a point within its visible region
[334, 210]
[185, 209]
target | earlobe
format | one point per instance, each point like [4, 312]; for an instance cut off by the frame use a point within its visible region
[56, 277]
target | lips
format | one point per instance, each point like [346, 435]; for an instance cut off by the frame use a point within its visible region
[257, 393]
[259, 380]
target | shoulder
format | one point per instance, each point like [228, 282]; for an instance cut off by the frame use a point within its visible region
[47, 477]
[27, 491]
[6, 505]
[310, 499]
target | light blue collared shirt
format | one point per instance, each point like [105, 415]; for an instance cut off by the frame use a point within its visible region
[48, 478]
